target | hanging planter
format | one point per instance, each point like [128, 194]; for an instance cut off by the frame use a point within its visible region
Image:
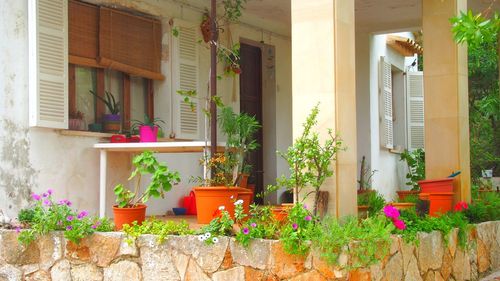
[205, 28]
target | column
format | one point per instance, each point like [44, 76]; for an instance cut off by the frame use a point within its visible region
[323, 70]
[446, 97]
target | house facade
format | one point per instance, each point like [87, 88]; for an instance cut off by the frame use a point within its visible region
[308, 52]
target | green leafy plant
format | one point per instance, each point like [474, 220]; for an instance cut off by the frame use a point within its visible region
[309, 160]
[156, 227]
[109, 100]
[374, 200]
[162, 180]
[240, 130]
[297, 232]
[48, 215]
[151, 122]
[260, 224]
[416, 166]
[26, 215]
[368, 240]
[410, 198]
[487, 208]
[220, 225]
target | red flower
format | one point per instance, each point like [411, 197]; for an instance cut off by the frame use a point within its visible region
[460, 206]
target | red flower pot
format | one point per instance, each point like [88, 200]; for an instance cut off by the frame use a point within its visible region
[438, 185]
[129, 215]
[441, 202]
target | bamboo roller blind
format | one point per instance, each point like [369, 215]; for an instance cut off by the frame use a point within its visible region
[113, 39]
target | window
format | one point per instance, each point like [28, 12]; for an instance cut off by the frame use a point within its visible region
[76, 47]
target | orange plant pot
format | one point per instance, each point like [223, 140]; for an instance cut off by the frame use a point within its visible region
[210, 198]
[441, 202]
[280, 213]
[438, 185]
[129, 215]
[243, 180]
[247, 196]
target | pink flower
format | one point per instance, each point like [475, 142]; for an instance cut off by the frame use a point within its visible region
[18, 229]
[69, 218]
[305, 206]
[36, 197]
[69, 227]
[47, 202]
[253, 224]
[94, 226]
[460, 206]
[308, 218]
[391, 212]
[246, 231]
[82, 214]
[44, 195]
[295, 226]
[399, 224]
[50, 191]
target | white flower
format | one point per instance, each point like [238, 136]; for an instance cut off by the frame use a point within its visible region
[201, 237]
[207, 235]
[215, 240]
[232, 196]
[221, 208]
[238, 202]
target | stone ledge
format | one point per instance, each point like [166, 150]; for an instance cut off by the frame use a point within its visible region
[106, 256]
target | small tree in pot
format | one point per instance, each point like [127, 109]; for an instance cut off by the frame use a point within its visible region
[130, 204]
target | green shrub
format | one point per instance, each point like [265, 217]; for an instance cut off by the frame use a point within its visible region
[261, 224]
[156, 227]
[374, 200]
[298, 231]
[485, 209]
[26, 215]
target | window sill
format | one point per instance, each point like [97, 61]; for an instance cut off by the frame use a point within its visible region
[84, 134]
[397, 150]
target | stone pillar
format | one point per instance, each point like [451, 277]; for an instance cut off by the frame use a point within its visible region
[323, 70]
[446, 96]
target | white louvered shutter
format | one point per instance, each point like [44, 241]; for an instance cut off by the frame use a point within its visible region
[385, 102]
[48, 63]
[415, 109]
[185, 77]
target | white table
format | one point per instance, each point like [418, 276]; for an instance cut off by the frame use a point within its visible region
[138, 147]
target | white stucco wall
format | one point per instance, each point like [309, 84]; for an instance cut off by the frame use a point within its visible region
[390, 171]
[34, 159]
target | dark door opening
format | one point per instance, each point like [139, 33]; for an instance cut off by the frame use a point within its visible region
[251, 103]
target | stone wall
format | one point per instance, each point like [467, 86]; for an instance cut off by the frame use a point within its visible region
[106, 256]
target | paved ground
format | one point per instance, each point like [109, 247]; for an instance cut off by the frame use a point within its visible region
[495, 276]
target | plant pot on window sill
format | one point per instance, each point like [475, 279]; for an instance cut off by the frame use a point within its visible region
[148, 133]
[112, 123]
[75, 124]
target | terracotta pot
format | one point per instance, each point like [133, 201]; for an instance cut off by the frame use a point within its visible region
[243, 180]
[247, 196]
[210, 198]
[423, 196]
[402, 206]
[441, 202]
[363, 211]
[129, 215]
[280, 213]
[437, 185]
[402, 194]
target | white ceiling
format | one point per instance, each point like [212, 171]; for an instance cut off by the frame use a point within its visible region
[371, 15]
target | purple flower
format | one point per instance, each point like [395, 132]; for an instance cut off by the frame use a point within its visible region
[82, 214]
[308, 218]
[295, 226]
[305, 206]
[50, 191]
[246, 231]
[44, 195]
[253, 224]
[18, 229]
[69, 227]
[47, 202]
[69, 218]
[35, 197]
[68, 203]
[391, 212]
[94, 226]
[98, 223]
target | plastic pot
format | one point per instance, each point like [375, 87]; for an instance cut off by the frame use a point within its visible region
[129, 215]
[148, 133]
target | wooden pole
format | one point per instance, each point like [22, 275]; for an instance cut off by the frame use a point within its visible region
[213, 78]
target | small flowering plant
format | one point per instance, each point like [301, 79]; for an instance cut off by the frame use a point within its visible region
[393, 213]
[461, 206]
[298, 231]
[50, 215]
[260, 224]
[220, 225]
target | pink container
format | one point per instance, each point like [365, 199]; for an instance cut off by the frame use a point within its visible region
[148, 134]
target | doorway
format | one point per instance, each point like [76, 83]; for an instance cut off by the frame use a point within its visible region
[251, 103]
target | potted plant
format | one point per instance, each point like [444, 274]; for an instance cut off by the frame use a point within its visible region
[370, 203]
[112, 121]
[415, 161]
[407, 202]
[75, 121]
[309, 162]
[130, 205]
[149, 129]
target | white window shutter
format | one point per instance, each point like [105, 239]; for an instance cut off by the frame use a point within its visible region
[385, 102]
[415, 109]
[48, 63]
[185, 77]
